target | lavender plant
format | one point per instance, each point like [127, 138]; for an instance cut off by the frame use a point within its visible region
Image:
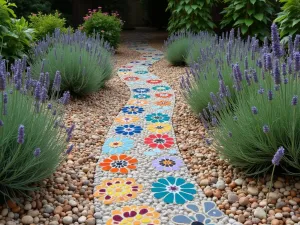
[33, 135]
[265, 115]
[85, 62]
[212, 66]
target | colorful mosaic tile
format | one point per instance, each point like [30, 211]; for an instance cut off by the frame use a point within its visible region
[141, 146]
[117, 190]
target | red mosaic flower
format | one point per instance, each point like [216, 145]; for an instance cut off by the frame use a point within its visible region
[131, 78]
[127, 67]
[163, 95]
[161, 141]
[154, 81]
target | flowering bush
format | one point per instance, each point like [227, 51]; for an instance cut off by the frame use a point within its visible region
[108, 26]
[84, 62]
[33, 135]
[46, 24]
[265, 114]
[211, 59]
[177, 48]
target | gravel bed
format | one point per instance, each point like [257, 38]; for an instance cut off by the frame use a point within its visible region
[67, 196]
[240, 197]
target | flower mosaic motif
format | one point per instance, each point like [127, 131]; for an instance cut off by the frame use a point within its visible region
[127, 119]
[141, 90]
[210, 212]
[160, 141]
[119, 164]
[117, 190]
[135, 215]
[132, 110]
[154, 81]
[157, 151]
[173, 190]
[131, 78]
[117, 145]
[159, 128]
[141, 72]
[161, 88]
[138, 102]
[157, 117]
[125, 70]
[141, 96]
[163, 95]
[163, 103]
[128, 129]
[167, 163]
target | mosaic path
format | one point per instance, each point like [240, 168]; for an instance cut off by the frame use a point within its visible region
[141, 178]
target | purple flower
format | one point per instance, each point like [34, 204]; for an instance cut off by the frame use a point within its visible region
[37, 152]
[278, 156]
[37, 91]
[297, 61]
[56, 82]
[66, 98]
[246, 63]
[276, 48]
[254, 74]
[167, 163]
[208, 141]
[1, 123]
[295, 100]
[44, 94]
[4, 103]
[2, 81]
[222, 88]
[276, 73]
[21, 134]
[267, 61]
[261, 91]
[49, 106]
[237, 73]
[254, 110]
[204, 121]
[69, 150]
[270, 95]
[54, 112]
[214, 121]
[266, 128]
[283, 69]
[286, 80]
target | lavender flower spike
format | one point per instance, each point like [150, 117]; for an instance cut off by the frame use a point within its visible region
[295, 100]
[278, 156]
[276, 72]
[37, 152]
[276, 47]
[254, 110]
[69, 149]
[1, 123]
[56, 82]
[21, 134]
[266, 128]
[2, 82]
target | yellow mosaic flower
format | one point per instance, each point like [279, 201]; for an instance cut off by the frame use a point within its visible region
[159, 128]
[117, 190]
[134, 215]
[138, 102]
[127, 119]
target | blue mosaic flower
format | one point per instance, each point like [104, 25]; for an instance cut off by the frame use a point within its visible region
[161, 88]
[156, 58]
[124, 70]
[117, 145]
[141, 96]
[173, 190]
[141, 90]
[205, 218]
[157, 117]
[141, 72]
[129, 129]
[147, 64]
[160, 152]
[132, 110]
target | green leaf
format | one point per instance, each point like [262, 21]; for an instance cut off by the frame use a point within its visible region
[240, 21]
[244, 29]
[239, 6]
[295, 22]
[253, 2]
[259, 16]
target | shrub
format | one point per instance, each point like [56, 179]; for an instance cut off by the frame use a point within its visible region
[46, 24]
[265, 114]
[177, 48]
[15, 35]
[84, 62]
[251, 16]
[108, 26]
[213, 62]
[188, 15]
[26, 7]
[33, 136]
[289, 19]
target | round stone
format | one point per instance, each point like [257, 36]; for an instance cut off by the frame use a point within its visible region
[27, 219]
[67, 220]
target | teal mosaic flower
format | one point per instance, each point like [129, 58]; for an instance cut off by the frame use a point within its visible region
[161, 88]
[173, 190]
[157, 117]
[141, 96]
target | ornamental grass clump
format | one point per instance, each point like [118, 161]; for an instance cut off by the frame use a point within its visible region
[265, 114]
[213, 65]
[84, 62]
[33, 136]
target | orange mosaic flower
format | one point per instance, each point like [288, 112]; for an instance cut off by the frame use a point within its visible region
[119, 164]
[138, 102]
[163, 103]
[163, 95]
[127, 119]
[154, 81]
[117, 190]
[134, 215]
